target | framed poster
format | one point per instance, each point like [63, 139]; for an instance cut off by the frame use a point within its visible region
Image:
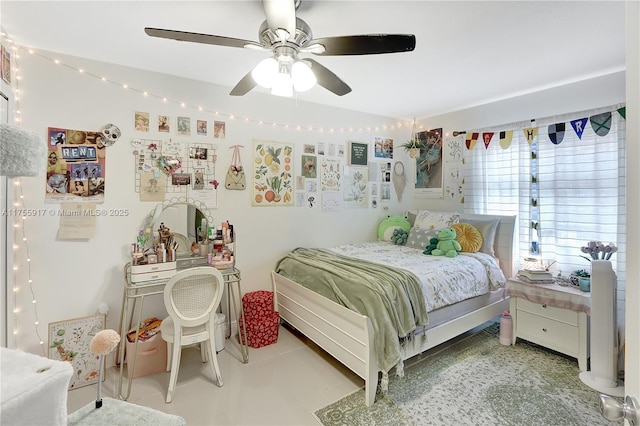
[358, 153]
[429, 167]
[69, 341]
[272, 174]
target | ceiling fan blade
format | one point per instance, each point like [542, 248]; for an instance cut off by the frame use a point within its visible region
[201, 38]
[372, 44]
[244, 86]
[281, 14]
[327, 79]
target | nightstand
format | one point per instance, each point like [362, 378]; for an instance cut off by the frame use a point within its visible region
[551, 315]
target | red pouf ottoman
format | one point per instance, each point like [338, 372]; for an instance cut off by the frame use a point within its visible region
[261, 320]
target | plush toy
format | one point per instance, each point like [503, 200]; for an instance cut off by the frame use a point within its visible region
[447, 244]
[433, 244]
[389, 224]
[399, 237]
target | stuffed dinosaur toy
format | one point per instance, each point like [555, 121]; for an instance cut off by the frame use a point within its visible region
[433, 244]
[447, 244]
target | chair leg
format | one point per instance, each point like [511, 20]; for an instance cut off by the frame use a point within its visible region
[169, 350]
[175, 363]
[214, 361]
[203, 351]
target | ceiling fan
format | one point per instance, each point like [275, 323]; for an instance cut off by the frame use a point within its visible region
[287, 36]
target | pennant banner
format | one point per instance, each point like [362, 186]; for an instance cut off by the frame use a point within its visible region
[505, 138]
[530, 133]
[486, 138]
[623, 112]
[556, 132]
[578, 126]
[601, 123]
[472, 138]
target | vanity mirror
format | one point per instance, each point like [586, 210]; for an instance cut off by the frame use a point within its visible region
[187, 219]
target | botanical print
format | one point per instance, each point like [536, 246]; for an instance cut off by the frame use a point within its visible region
[383, 147]
[273, 184]
[309, 149]
[69, 341]
[330, 174]
[355, 188]
[142, 121]
[184, 126]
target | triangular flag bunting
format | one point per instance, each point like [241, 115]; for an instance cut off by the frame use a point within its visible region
[472, 138]
[486, 138]
[601, 123]
[530, 133]
[505, 138]
[578, 126]
[556, 132]
[623, 112]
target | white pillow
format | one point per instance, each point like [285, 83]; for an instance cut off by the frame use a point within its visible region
[426, 219]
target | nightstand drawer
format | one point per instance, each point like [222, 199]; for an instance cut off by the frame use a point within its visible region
[557, 314]
[547, 332]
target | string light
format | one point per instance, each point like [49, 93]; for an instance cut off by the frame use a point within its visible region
[196, 107]
[20, 242]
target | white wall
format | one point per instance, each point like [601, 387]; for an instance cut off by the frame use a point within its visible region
[71, 278]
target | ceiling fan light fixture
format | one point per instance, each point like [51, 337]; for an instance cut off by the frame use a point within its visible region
[302, 76]
[264, 73]
[282, 85]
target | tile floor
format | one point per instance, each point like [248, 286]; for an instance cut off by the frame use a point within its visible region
[283, 384]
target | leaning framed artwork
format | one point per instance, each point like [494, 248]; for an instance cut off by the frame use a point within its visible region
[69, 341]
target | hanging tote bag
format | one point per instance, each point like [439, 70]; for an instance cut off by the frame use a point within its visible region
[235, 178]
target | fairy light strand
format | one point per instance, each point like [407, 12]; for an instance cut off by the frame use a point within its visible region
[200, 108]
[21, 268]
[20, 223]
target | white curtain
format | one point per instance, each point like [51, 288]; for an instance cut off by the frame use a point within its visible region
[573, 192]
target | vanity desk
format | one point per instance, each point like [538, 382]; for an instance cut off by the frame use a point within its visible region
[183, 220]
[135, 292]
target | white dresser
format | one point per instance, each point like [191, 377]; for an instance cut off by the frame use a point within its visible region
[552, 316]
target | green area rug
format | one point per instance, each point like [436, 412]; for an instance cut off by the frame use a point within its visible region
[478, 381]
[115, 412]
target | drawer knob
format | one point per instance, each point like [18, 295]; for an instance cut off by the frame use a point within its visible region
[544, 305]
[544, 329]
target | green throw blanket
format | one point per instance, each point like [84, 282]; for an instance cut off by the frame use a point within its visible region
[391, 298]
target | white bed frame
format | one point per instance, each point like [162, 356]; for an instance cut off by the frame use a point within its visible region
[348, 336]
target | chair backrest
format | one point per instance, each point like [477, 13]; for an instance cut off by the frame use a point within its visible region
[192, 295]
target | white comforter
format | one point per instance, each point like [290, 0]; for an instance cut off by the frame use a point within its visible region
[444, 280]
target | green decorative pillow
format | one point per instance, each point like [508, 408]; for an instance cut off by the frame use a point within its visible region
[389, 224]
[420, 238]
[468, 236]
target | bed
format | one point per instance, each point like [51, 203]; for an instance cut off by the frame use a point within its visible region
[355, 339]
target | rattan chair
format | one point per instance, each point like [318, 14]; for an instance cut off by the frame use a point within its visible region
[191, 298]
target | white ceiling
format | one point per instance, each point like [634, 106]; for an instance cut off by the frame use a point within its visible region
[467, 52]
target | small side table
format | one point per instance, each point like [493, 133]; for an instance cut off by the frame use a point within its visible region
[551, 315]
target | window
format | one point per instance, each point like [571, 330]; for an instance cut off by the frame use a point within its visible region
[565, 193]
